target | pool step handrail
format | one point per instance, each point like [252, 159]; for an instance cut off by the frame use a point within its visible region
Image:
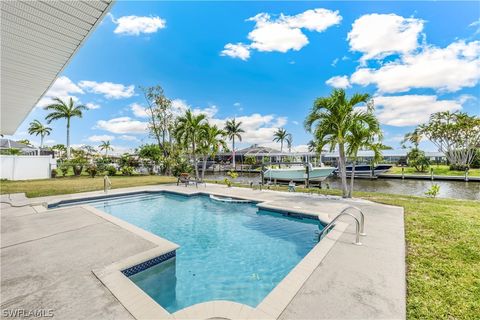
[107, 184]
[359, 225]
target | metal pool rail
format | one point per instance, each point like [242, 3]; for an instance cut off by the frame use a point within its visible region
[359, 226]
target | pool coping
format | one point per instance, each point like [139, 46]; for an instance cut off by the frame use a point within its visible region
[142, 306]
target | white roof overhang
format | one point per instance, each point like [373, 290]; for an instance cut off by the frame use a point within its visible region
[38, 40]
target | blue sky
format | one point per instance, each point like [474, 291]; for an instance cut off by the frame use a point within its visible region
[265, 63]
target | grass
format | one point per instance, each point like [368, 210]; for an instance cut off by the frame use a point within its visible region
[439, 170]
[66, 185]
[442, 235]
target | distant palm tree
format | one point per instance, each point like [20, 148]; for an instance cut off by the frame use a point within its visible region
[105, 146]
[212, 139]
[233, 130]
[331, 120]
[281, 135]
[188, 131]
[37, 128]
[63, 110]
[289, 142]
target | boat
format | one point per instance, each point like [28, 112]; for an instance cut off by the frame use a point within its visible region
[298, 174]
[365, 170]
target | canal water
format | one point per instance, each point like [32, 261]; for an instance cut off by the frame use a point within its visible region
[448, 189]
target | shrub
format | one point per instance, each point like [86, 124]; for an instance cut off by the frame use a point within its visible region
[64, 166]
[54, 173]
[416, 158]
[232, 174]
[92, 170]
[111, 170]
[433, 191]
[127, 170]
[180, 167]
[458, 167]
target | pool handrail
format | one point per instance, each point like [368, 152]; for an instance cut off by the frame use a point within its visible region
[359, 227]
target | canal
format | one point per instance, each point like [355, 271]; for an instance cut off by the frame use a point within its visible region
[448, 189]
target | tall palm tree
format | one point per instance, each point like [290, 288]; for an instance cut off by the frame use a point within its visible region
[37, 128]
[289, 142]
[189, 130]
[281, 135]
[413, 137]
[364, 134]
[331, 119]
[64, 110]
[105, 146]
[233, 130]
[212, 138]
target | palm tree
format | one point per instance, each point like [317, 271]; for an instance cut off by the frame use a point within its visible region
[281, 135]
[331, 119]
[105, 146]
[364, 134]
[212, 139]
[189, 130]
[233, 130]
[289, 142]
[37, 128]
[63, 110]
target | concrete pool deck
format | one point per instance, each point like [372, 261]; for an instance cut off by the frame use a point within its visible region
[48, 257]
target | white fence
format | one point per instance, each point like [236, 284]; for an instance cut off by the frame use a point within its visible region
[26, 167]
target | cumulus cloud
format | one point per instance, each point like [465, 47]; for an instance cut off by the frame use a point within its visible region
[136, 25]
[239, 50]
[446, 69]
[108, 89]
[139, 111]
[92, 106]
[379, 35]
[100, 138]
[340, 82]
[123, 125]
[283, 33]
[62, 88]
[128, 138]
[410, 110]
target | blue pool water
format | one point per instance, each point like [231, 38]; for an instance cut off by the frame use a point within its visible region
[228, 251]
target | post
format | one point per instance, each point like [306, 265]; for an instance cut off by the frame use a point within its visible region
[466, 174]
[308, 176]
[431, 173]
[262, 173]
[403, 173]
[106, 183]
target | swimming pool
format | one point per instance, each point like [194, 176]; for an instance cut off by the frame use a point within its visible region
[228, 251]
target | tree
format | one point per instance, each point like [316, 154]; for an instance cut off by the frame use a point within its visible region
[233, 130]
[416, 158]
[212, 138]
[60, 148]
[364, 135]
[289, 142]
[25, 142]
[151, 152]
[37, 128]
[413, 137]
[105, 146]
[281, 135]
[331, 119]
[64, 110]
[455, 134]
[188, 131]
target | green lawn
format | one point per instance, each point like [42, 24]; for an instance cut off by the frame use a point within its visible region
[65, 185]
[443, 242]
[440, 170]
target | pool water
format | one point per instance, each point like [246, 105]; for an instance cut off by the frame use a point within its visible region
[228, 251]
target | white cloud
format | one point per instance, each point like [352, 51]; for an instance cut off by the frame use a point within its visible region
[108, 89]
[410, 110]
[380, 35]
[179, 107]
[62, 88]
[135, 25]
[123, 125]
[283, 33]
[340, 82]
[295, 123]
[139, 111]
[238, 50]
[128, 138]
[100, 138]
[446, 69]
[300, 148]
[92, 106]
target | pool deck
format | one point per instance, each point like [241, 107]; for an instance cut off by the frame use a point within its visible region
[67, 260]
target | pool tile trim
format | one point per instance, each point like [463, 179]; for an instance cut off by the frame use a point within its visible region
[142, 306]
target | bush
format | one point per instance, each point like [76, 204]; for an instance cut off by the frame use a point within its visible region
[92, 170]
[54, 173]
[458, 167]
[180, 167]
[433, 191]
[64, 166]
[111, 170]
[416, 158]
[127, 170]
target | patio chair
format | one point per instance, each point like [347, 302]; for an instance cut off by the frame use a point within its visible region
[187, 179]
